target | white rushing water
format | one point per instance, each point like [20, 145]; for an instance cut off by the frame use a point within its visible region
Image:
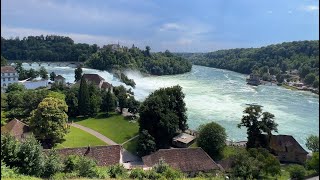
[221, 96]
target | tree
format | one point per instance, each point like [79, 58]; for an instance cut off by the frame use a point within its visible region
[30, 157]
[309, 79]
[315, 83]
[52, 76]
[95, 103]
[297, 171]
[77, 74]
[146, 143]
[3, 118]
[72, 102]
[313, 163]
[313, 143]
[163, 114]
[108, 101]
[56, 95]
[133, 105]
[83, 98]
[15, 87]
[4, 61]
[43, 73]
[9, 149]
[49, 121]
[212, 139]
[257, 122]
[121, 94]
[148, 51]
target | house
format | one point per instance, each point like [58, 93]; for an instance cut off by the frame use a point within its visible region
[94, 79]
[60, 79]
[17, 129]
[9, 75]
[187, 160]
[106, 86]
[104, 155]
[287, 149]
[183, 140]
[253, 79]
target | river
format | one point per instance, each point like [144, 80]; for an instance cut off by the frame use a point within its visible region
[221, 96]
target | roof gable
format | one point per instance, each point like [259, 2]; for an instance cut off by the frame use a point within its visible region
[286, 143]
[15, 128]
[93, 78]
[184, 159]
[59, 77]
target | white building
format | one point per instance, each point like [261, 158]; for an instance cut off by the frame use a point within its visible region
[8, 76]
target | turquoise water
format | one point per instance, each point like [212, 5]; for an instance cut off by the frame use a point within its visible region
[220, 96]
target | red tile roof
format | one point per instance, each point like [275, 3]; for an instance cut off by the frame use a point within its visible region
[104, 155]
[8, 69]
[184, 159]
[94, 78]
[15, 128]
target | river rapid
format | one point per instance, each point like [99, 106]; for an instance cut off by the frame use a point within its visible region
[221, 96]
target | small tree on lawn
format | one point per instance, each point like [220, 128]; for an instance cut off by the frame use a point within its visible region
[84, 98]
[108, 101]
[77, 74]
[146, 143]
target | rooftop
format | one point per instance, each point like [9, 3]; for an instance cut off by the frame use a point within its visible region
[94, 78]
[59, 77]
[184, 159]
[285, 143]
[15, 128]
[104, 155]
[8, 69]
[184, 138]
[106, 85]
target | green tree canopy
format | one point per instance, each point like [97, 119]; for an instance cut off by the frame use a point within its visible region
[15, 87]
[212, 139]
[49, 121]
[163, 114]
[257, 122]
[313, 143]
[84, 98]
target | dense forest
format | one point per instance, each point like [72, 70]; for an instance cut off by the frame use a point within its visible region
[60, 48]
[277, 58]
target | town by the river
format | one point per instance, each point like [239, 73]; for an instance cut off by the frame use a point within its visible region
[221, 96]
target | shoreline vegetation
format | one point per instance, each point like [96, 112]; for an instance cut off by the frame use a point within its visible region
[55, 48]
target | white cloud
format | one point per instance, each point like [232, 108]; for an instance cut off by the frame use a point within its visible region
[310, 8]
[171, 27]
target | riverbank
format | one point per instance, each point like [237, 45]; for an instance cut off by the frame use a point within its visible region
[299, 89]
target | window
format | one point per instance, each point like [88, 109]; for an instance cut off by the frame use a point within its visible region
[4, 84]
[3, 79]
[9, 79]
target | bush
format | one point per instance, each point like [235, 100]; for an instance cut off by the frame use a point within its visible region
[297, 171]
[137, 174]
[7, 172]
[116, 171]
[53, 164]
[313, 163]
[63, 176]
[85, 167]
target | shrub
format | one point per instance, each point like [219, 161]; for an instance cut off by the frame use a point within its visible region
[7, 172]
[297, 171]
[153, 175]
[63, 176]
[9, 150]
[137, 174]
[84, 166]
[313, 163]
[116, 171]
[53, 164]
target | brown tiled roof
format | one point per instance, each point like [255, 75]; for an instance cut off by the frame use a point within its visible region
[15, 128]
[104, 155]
[279, 143]
[8, 69]
[59, 77]
[94, 78]
[226, 164]
[106, 85]
[184, 159]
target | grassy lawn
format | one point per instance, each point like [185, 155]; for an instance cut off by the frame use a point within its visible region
[131, 146]
[79, 138]
[115, 127]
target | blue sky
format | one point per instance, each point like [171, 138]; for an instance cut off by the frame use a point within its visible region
[177, 25]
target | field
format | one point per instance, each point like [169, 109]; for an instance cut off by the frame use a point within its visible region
[115, 126]
[79, 138]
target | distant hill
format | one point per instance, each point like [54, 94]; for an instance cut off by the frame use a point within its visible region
[112, 56]
[278, 58]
